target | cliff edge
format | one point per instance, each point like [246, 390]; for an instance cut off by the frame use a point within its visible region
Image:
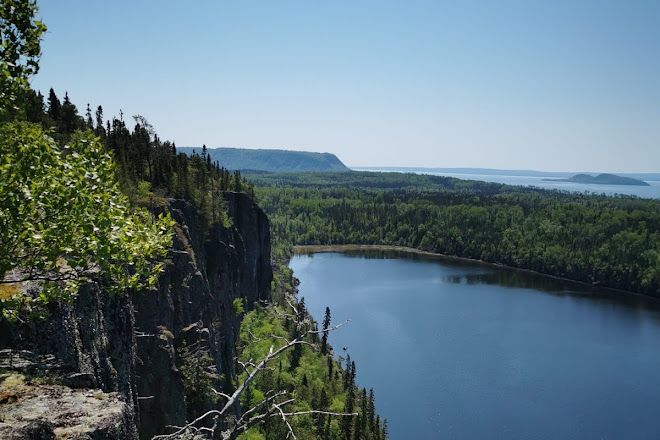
[131, 351]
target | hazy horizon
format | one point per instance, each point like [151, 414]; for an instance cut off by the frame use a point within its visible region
[429, 167]
[552, 86]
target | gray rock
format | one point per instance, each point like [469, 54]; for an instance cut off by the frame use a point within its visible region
[127, 345]
[36, 430]
[81, 380]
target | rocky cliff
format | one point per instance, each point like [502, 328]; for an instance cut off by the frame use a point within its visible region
[136, 348]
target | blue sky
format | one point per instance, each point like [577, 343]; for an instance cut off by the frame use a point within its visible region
[553, 85]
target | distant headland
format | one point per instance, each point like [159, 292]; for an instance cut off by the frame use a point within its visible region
[602, 179]
[271, 160]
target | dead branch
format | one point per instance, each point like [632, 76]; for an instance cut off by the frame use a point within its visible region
[270, 405]
[329, 329]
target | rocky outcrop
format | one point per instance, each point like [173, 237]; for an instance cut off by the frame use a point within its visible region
[41, 412]
[131, 345]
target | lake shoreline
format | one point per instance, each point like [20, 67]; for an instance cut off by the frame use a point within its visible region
[491, 339]
[321, 248]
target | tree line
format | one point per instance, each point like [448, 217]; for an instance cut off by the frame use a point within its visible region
[147, 165]
[600, 240]
[72, 195]
[310, 374]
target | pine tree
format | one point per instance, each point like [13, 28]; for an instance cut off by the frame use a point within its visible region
[364, 412]
[237, 181]
[372, 410]
[357, 429]
[88, 115]
[34, 106]
[296, 354]
[347, 422]
[54, 107]
[347, 372]
[323, 404]
[100, 131]
[326, 326]
[69, 119]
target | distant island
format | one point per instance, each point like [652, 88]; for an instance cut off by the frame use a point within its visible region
[601, 179]
[271, 160]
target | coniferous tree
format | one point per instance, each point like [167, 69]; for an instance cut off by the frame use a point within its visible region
[347, 372]
[364, 412]
[100, 131]
[32, 107]
[357, 428]
[237, 181]
[347, 422]
[322, 405]
[372, 410]
[88, 116]
[54, 107]
[69, 119]
[326, 326]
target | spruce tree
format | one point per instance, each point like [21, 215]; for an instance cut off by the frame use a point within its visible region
[347, 372]
[100, 131]
[364, 411]
[88, 117]
[237, 181]
[346, 422]
[54, 107]
[326, 326]
[372, 410]
[357, 429]
[33, 106]
[68, 116]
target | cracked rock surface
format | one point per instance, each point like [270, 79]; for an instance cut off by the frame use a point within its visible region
[39, 411]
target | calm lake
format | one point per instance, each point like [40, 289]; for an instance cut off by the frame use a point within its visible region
[458, 350]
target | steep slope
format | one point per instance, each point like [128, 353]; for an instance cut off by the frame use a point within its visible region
[131, 344]
[271, 160]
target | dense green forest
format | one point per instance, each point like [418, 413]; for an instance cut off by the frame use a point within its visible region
[146, 164]
[272, 160]
[311, 373]
[151, 170]
[83, 198]
[608, 241]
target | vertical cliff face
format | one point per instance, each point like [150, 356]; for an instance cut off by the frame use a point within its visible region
[134, 345]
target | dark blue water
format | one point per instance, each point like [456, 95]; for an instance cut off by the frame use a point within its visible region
[466, 351]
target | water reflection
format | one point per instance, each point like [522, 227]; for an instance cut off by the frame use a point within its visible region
[459, 349]
[471, 272]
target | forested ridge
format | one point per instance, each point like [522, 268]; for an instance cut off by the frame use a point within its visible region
[607, 241]
[272, 159]
[84, 199]
[145, 162]
[150, 170]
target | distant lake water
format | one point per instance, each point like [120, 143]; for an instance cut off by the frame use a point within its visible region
[651, 192]
[458, 350]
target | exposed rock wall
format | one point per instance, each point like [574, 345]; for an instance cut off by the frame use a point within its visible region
[128, 344]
